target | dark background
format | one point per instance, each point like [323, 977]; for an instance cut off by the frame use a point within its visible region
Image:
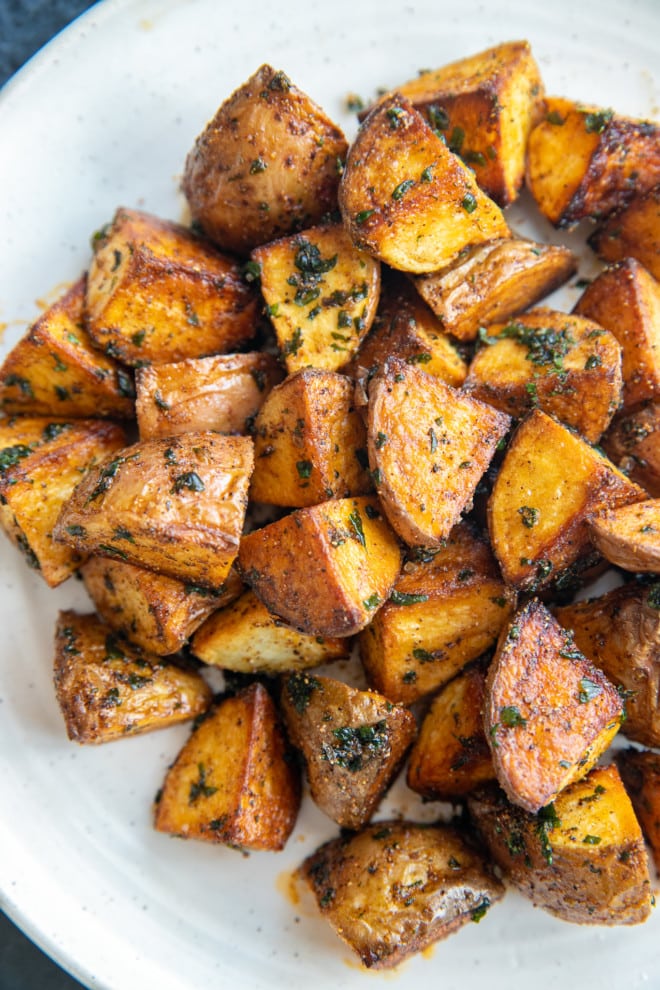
[26, 25]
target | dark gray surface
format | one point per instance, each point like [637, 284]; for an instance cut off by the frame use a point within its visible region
[25, 26]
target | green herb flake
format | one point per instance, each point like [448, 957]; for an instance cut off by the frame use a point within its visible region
[258, 165]
[595, 123]
[363, 216]
[403, 598]
[480, 910]
[190, 480]
[456, 140]
[304, 468]
[588, 690]
[355, 746]
[10, 456]
[394, 115]
[510, 717]
[469, 203]
[200, 787]
[355, 521]
[372, 602]
[400, 191]
[592, 840]
[554, 117]
[593, 361]
[381, 440]
[529, 516]
[300, 688]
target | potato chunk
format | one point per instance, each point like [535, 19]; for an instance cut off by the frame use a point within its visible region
[396, 887]
[267, 164]
[629, 536]
[223, 392]
[233, 781]
[582, 858]
[494, 281]
[428, 447]
[640, 772]
[549, 713]
[353, 743]
[55, 371]
[585, 161]
[632, 232]
[41, 462]
[406, 199]
[322, 294]
[446, 609]
[108, 689]
[566, 365]
[157, 293]
[351, 560]
[174, 505]
[632, 442]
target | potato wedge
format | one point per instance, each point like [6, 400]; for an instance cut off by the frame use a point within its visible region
[233, 781]
[321, 294]
[629, 536]
[406, 199]
[632, 232]
[158, 293]
[549, 712]
[428, 447]
[41, 463]
[351, 560]
[108, 689]
[566, 365]
[353, 743]
[267, 164]
[493, 281]
[223, 392]
[396, 887]
[632, 442]
[640, 772]
[582, 859]
[585, 161]
[174, 505]
[446, 609]
[310, 443]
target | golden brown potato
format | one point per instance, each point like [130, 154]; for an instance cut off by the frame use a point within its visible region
[640, 772]
[581, 858]
[321, 294]
[428, 447]
[54, 370]
[244, 636]
[353, 743]
[629, 536]
[310, 443]
[549, 483]
[625, 299]
[494, 281]
[233, 781]
[549, 713]
[632, 232]
[446, 609]
[326, 569]
[406, 199]
[174, 505]
[632, 442]
[267, 164]
[585, 161]
[620, 633]
[41, 463]
[396, 887]
[157, 293]
[566, 365]
[450, 756]
[223, 392]
[108, 689]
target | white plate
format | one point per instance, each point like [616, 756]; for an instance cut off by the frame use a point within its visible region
[104, 116]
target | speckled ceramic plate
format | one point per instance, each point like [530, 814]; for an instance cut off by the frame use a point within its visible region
[104, 116]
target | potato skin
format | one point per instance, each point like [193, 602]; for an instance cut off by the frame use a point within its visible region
[640, 772]
[629, 536]
[632, 232]
[632, 442]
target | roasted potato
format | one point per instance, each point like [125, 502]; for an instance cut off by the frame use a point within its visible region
[629, 536]
[632, 442]
[640, 772]
[632, 232]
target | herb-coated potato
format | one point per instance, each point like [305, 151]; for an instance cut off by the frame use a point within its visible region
[629, 536]
[632, 232]
[632, 442]
[640, 772]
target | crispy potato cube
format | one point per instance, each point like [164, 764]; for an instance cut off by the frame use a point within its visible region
[632, 232]
[549, 483]
[428, 447]
[620, 633]
[396, 887]
[640, 772]
[625, 299]
[267, 164]
[174, 505]
[446, 609]
[151, 610]
[55, 371]
[233, 781]
[108, 689]
[632, 442]
[494, 281]
[406, 198]
[223, 392]
[581, 858]
[158, 293]
[310, 443]
[566, 365]
[41, 462]
[629, 536]
[450, 756]
[322, 294]
[353, 743]
[585, 161]
[244, 636]
[549, 713]
[325, 569]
